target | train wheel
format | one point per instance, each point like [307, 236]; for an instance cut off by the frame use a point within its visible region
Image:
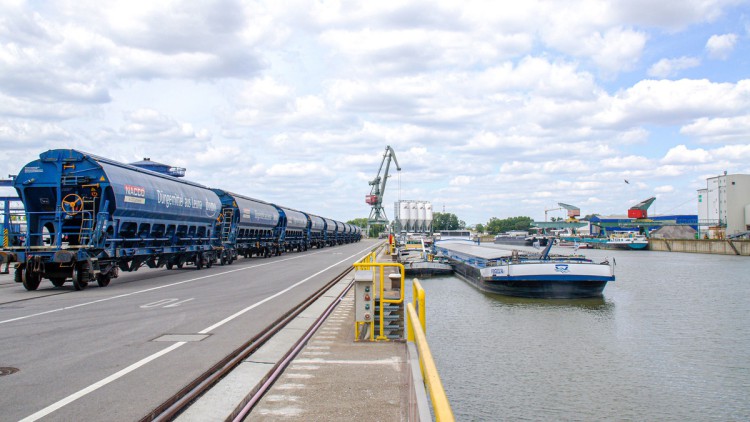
[170, 265]
[31, 279]
[103, 280]
[199, 262]
[57, 281]
[18, 276]
[80, 277]
[180, 264]
[209, 263]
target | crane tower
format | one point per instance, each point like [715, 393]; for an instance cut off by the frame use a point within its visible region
[375, 198]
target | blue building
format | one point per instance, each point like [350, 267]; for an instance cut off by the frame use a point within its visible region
[604, 225]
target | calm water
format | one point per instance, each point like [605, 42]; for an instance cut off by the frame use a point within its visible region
[669, 341]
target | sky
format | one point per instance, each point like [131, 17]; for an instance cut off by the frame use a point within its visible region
[493, 108]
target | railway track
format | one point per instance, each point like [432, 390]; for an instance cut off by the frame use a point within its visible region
[180, 401]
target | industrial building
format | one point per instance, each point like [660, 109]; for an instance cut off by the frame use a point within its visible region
[413, 216]
[605, 225]
[724, 205]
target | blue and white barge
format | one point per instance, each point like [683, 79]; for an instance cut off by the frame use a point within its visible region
[522, 274]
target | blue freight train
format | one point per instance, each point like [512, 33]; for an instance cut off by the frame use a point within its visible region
[89, 217]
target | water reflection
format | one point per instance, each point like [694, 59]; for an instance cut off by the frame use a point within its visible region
[591, 303]
[673, 348]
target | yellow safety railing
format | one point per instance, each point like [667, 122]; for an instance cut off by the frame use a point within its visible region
[367, 259]
[380, 276]
[418, 298]
[416, 334]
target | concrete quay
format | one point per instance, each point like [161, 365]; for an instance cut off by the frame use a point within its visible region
[705, 246]
[333, 378]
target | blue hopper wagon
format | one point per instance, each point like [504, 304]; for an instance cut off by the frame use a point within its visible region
[90, 217]
[317, 231]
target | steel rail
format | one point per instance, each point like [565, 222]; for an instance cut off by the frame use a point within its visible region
[182, 399]
[281, 366]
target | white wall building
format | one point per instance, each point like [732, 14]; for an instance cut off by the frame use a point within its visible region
[725, 202]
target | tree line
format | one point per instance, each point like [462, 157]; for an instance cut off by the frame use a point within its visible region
[449, 221]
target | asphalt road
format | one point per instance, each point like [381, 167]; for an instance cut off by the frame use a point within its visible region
[96, 354]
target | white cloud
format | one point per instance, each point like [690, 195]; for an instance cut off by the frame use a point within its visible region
[664, 189]
[670, 102]
[630, 162]
[665, 68]
[683, 155]
[460, 181]
[721, 46]
[720, 129]
[673, 15]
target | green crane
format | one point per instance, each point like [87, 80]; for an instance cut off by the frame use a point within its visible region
[375, 198]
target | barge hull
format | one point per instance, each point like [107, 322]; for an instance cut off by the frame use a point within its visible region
[542, 287]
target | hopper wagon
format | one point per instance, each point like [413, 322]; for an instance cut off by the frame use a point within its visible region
[317, 234]
[294, 236]
[89, 217]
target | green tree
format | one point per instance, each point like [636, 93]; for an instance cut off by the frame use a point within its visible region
[376, 229]
[480, 228]
[446, 221]
[359, 222]
[496, 225]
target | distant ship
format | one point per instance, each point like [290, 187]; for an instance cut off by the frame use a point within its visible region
[520, 239]
[626, 240]
[537, 275]
[617, 240]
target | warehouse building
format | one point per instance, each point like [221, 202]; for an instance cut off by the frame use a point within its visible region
[724, 205]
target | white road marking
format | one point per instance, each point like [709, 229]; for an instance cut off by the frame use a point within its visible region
[274, 296]
[151, 289]
[166, 303]
[299, 376]
[387, 361]
[93, 387]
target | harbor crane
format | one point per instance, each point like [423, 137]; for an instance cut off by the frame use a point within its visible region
[573, 211]
[375, 198]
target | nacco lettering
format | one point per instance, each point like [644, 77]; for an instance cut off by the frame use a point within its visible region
[135, 191]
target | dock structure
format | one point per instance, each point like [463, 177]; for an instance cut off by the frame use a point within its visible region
[337, 373]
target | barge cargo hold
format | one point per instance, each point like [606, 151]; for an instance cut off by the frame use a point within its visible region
[538, 275]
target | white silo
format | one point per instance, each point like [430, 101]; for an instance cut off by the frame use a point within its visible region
[420, 216]
[413, 215]
[403, 215]
[427, 217]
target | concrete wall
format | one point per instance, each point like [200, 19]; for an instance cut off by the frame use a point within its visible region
[718, 247]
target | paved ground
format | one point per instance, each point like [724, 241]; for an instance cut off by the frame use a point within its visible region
[120, 350]
[337, 379]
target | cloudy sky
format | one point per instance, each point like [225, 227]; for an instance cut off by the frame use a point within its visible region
[494, 108]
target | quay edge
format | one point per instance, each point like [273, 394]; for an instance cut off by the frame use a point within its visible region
[705, 246]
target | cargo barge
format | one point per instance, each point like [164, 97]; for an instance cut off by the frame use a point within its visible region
[516, 273]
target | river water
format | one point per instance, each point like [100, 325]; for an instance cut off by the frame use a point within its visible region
[669, 341]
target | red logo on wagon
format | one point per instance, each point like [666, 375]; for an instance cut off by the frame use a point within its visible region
[135, 191]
